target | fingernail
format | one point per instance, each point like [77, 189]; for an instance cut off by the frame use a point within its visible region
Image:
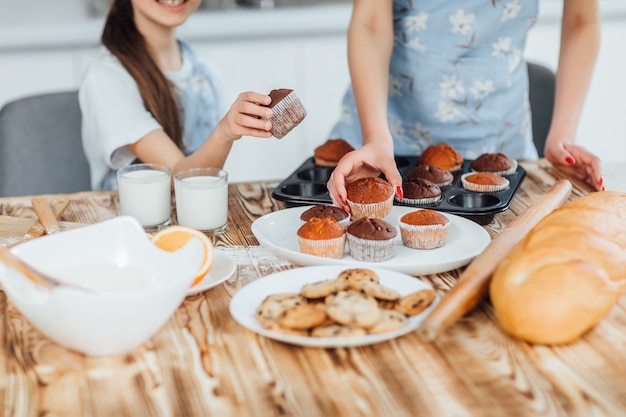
[345, 208]
[343, 200]
[570, 160]
[399, 192]
[601, 180]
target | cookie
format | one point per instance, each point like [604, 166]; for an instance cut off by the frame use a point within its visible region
[275, 327]
[352, 308]
[375, 290]
[389, 321]
[414, 303]
[359, 274]
[273, 305]
[302, 316]
[387, 304]
[323, 288]
[337, 330]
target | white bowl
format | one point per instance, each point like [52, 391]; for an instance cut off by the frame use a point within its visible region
[102, 323]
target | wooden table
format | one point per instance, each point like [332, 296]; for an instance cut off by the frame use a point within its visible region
[204, 363]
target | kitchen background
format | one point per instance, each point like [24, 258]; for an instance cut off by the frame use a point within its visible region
[260, 45]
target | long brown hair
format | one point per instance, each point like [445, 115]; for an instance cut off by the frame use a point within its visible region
[124, 40]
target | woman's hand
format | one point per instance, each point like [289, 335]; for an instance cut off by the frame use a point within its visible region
[246, 117]
[368, 161]
[575, 161]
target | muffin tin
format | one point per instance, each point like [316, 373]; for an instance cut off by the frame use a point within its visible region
[307, 185]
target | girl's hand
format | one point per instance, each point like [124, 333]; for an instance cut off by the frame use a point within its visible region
[368, 161]
[246, 117]
[577, 162]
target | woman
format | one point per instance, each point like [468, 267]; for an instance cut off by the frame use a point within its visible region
[147, 97]
[434, 71]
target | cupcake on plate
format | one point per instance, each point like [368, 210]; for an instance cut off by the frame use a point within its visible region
[287, 110]
[371, 240]
[498, 163]
[442, 155]
[437, 175]
[323, 237]
[420, 192]
[484, 182]
[423, 229]
[322, 210]
[370, 197]
[329, 153]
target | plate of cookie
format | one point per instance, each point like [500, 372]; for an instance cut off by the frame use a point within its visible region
[333, 306]
[277, 231]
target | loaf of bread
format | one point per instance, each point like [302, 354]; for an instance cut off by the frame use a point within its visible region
[566, 274]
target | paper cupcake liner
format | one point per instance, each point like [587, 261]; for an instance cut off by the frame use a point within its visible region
[288, 113]
[483, 188]
[327, 248]
[368, 250]
[423, 236]
[420, 201]
[372, 210]
[509, 171]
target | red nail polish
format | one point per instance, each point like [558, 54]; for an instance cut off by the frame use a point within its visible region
[570, 160]
[399, 192]
[601, 180]
[343, 200]
[603, 189]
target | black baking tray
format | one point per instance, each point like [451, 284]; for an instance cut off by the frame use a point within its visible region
[307, 186]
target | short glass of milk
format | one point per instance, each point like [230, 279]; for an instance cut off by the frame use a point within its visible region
[202, 199]
[145, 193]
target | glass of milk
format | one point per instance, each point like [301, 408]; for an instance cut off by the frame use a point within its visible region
[202, 199]
[145, 193]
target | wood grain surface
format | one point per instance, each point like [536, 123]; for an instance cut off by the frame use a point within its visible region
[203, 363]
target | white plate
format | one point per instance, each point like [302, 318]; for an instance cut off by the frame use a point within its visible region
[466, 240]
[245, 302]
[222, 269]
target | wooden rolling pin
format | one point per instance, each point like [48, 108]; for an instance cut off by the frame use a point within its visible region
[473, 283]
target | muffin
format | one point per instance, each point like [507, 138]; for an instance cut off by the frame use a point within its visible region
[423, 229]
[371, 240]
[498, 163]
[322, 210]
[420, 192]
[370, 197]
[437, 175]
[288, 111]
[484, 182]
[329, 153]
[442, 155]
[322, 237]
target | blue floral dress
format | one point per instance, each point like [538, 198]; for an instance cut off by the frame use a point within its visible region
[457, 75]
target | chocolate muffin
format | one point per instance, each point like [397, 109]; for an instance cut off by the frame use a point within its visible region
[498, 163]
[288, 111]
[484, 182]
[423, 229]
[322, 210]
[442, 155]
[322, 237]
[329, 153]
[371, 240]
[370, 197]
[420, 192]
[437, 175]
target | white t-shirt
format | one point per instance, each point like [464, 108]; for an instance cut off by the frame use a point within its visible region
[113, 113]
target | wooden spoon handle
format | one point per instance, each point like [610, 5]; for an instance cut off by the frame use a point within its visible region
[474, 281]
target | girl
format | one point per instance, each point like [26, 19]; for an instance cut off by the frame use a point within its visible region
[432, 71]
[148, 97]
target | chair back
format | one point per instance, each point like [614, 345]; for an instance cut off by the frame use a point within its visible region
[542, 82]
[40, 146]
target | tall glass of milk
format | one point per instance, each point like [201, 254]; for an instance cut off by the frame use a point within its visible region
[145, 193]
[202, 199]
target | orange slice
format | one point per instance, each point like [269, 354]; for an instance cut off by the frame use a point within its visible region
[175, 237]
